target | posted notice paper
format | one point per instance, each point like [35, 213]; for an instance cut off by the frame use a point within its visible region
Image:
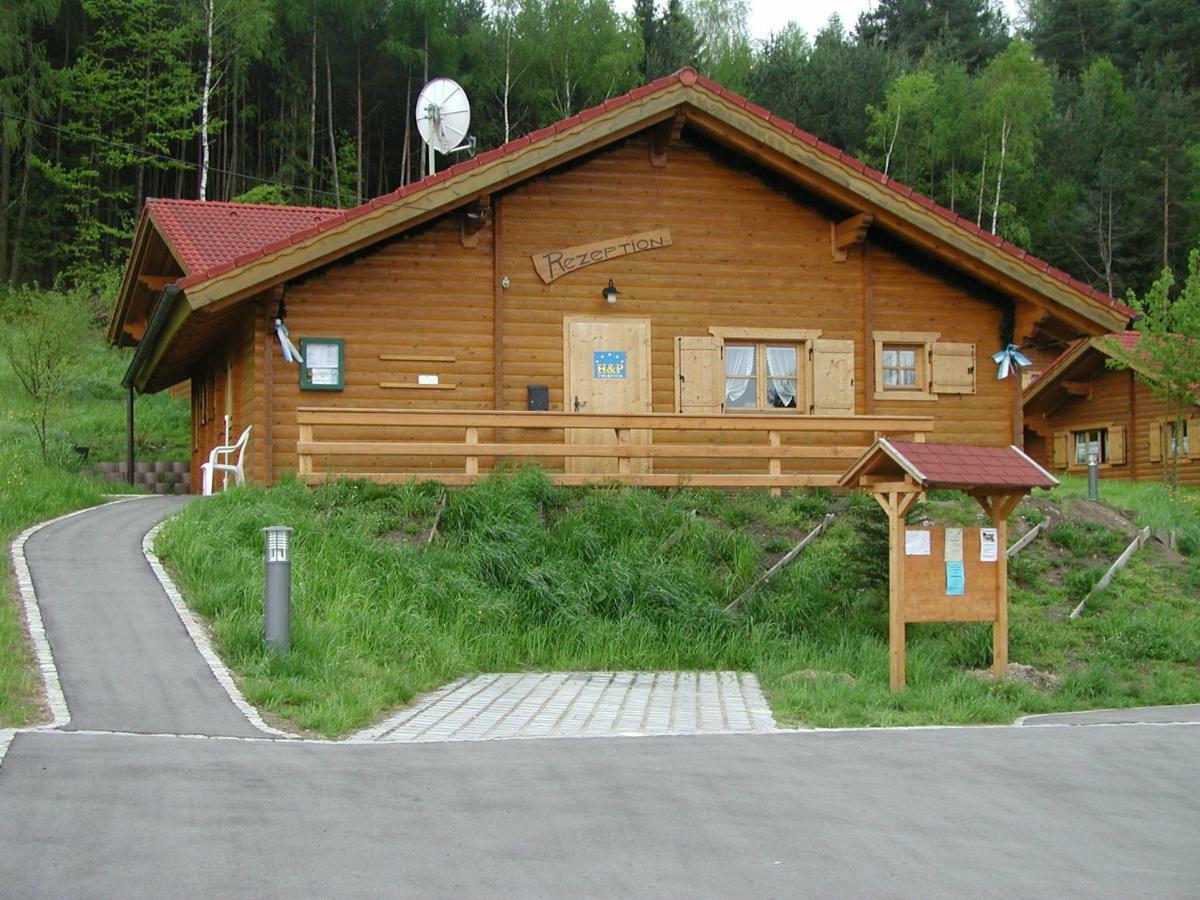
[916, 543]
[956, 578]
[989, 545]
[954, 545]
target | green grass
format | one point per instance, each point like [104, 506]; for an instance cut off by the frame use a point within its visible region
[527, 576]
[1149, 502]
[92, 414]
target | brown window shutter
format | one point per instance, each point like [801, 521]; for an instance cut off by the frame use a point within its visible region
[699, 376]
[1060, 449]
[1116, 445]
[953, 368]
[1193, 432]
[833, 378]
[1156, 438]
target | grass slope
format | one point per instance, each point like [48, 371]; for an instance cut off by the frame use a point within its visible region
[527, 576]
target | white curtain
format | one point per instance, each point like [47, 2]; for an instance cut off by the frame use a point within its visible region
[781, 362]
[739, 361]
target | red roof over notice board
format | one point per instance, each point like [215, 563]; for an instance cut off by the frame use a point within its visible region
[956, 466]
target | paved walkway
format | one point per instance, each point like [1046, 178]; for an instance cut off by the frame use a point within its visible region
[124, 659]
[582, 704]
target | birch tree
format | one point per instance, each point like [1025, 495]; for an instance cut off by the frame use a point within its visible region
[1014, 103]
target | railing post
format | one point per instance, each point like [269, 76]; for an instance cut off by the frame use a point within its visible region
[775, 466]
[624, 435]
[472, 461]
[304, 460]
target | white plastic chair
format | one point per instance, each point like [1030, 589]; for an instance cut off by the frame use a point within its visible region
[218, 461]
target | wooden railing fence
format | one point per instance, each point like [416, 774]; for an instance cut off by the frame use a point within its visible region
[385, 445]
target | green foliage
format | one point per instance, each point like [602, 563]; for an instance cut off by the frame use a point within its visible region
[103, 105]
[55, 339]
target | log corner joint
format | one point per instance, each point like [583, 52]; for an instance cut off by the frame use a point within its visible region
[848, 233]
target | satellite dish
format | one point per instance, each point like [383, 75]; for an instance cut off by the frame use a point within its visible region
[443, 117]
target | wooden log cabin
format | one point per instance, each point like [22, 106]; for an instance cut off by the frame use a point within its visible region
[1081, 405]
[674, 285]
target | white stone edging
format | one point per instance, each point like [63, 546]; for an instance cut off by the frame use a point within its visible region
[198, 632]
[60, 713]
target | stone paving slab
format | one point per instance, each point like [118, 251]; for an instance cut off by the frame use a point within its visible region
[581, 704]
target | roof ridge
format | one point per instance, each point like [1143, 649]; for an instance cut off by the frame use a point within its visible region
[235, 204]
[688, 77]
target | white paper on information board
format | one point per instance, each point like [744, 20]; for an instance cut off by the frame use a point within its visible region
[916, 543]
[321, 356]
[989, 545]
[323, 376]
[954, 545]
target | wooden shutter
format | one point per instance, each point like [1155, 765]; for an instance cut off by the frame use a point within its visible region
[700, 375]
[833, 377]
[1116, 445]
[953, 368]
[1156, 438]
[1193, 431]
[1061, 440]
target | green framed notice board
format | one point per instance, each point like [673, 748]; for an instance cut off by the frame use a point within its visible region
[324, 366]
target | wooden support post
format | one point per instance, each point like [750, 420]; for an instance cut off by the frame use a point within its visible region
[472, 466]
[896, 503]
[304, 460]
[999, 508]
[775, 466]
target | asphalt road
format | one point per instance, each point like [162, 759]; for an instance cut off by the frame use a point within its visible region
[1093, 810]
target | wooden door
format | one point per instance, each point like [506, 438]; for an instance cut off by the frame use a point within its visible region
[607, 370]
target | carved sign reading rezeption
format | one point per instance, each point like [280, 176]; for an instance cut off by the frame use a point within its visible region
[556, 263]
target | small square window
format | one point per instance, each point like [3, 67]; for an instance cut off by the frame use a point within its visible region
[1177, 432]
[1091, 442]
[901, 367]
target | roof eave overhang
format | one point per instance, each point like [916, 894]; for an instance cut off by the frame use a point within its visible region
[1059, 367]
[129, 277]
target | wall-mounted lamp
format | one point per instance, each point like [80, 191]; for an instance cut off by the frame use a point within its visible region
[610, 293]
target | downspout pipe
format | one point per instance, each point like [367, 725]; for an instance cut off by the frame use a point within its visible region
[158, 318]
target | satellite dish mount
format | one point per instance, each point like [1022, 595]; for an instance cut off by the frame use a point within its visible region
[443, 117]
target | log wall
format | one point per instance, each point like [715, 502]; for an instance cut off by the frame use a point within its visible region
[748, 250]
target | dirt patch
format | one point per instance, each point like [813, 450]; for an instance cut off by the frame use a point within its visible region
[1099, 514]
[1043, 681]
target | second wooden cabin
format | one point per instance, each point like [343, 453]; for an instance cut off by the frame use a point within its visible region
[676, 254]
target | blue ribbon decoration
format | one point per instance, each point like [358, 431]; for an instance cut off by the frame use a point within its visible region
[1007, 359]
[290, 353]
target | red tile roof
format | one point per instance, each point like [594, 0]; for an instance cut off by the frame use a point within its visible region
[206, 235]
[1127, 339]
[255, 241]
[966, 466]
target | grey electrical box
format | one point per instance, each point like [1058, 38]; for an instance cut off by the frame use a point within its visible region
[539, 397]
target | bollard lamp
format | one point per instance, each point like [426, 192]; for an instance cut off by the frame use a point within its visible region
[277, 592]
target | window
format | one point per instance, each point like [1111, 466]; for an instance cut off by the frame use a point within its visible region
[1089, 442]
[1177, 434]
[762, 376]
[916, 365]
[902, 367]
